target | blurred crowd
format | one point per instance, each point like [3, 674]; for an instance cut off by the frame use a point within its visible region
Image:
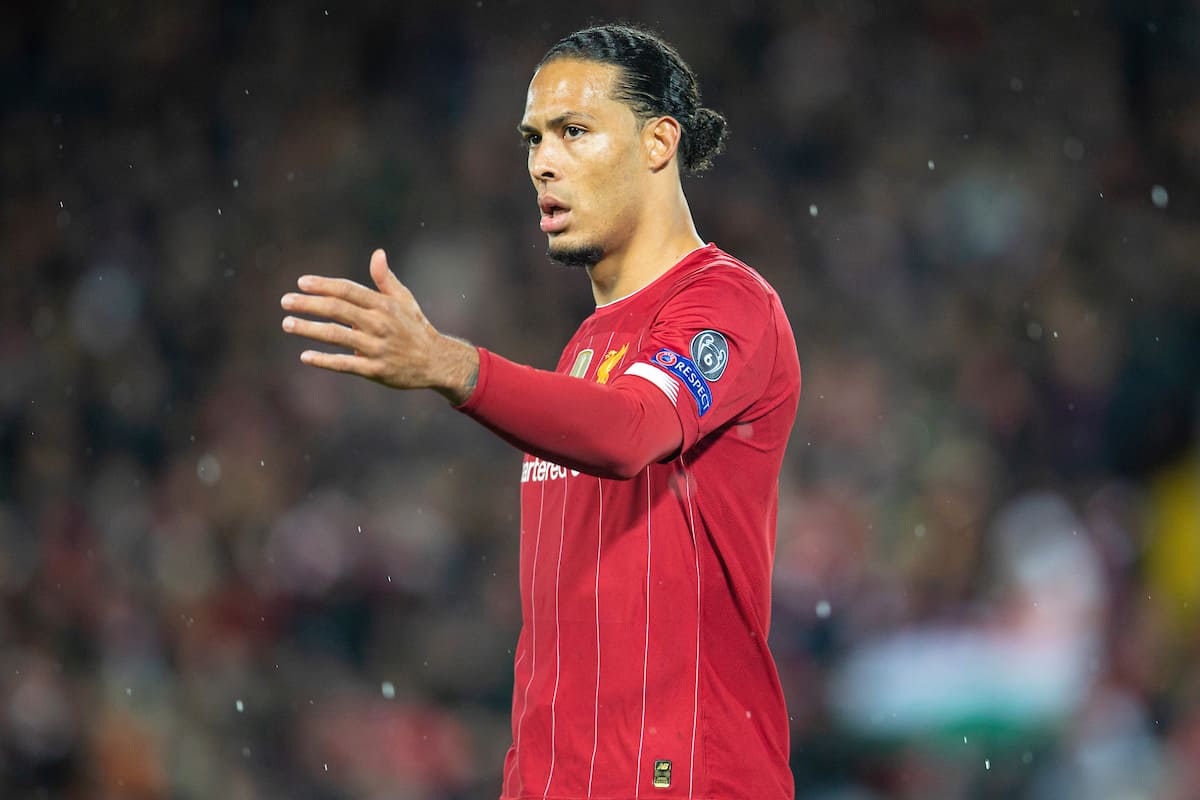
[226, 575]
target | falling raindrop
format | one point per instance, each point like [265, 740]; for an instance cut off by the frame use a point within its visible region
[208, 469]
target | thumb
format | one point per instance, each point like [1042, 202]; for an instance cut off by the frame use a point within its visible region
[383, 276]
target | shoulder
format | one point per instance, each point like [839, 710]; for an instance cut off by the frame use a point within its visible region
[724, 282]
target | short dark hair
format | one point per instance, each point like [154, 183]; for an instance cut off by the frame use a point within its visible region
[654, 81]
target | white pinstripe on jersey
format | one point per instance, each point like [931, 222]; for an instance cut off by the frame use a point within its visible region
[533, 646]
[562, 532]
[687, 482]
[646, 656]
[557, 630]
[596, 712]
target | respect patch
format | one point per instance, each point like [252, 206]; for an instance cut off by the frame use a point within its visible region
[686, 371]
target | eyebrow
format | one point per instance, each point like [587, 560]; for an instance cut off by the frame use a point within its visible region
[524, 128]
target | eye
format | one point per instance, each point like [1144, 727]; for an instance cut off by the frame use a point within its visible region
[573, 131]
[531, 139]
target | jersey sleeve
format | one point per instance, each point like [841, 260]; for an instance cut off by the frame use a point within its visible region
[607, 431]
[710, 350]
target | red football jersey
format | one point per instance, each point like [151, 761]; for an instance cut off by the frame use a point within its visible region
[642, 668]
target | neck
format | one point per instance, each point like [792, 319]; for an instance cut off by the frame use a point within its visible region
[652, 250]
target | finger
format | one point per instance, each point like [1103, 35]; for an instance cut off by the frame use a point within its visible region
[333, 308]
[339, 362]
[348, 290]
[327, 332]
[384, 278]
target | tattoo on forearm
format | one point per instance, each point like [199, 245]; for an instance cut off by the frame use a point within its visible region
[469, 386]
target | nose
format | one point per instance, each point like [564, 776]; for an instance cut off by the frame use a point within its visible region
[544, 161]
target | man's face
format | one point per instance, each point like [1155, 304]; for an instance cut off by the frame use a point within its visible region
[585, 159]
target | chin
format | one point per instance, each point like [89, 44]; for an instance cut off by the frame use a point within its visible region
[575, 254]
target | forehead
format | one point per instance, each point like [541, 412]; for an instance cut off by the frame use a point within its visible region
[569, 84]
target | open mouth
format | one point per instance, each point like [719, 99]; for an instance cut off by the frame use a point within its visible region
[554, 215]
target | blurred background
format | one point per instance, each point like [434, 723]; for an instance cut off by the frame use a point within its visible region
[224, 575]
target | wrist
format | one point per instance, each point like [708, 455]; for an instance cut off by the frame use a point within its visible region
[459, 369]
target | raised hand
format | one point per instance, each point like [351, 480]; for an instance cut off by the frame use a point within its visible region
[392, 341]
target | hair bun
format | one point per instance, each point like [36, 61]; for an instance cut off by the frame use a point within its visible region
[704, 140]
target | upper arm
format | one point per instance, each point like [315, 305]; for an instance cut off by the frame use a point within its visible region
[710, 350]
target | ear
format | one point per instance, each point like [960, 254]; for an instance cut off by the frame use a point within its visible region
[661, 136]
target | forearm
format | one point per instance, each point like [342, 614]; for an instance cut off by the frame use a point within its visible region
[609, 431]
